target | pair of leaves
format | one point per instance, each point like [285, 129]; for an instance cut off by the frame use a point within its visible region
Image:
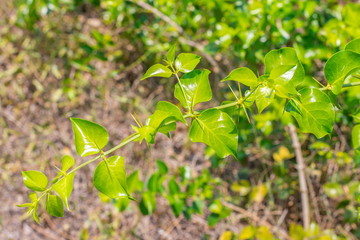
[313, 111]
[110, 175]
[195, 88]
[163, 120]
[342, 64]
[185, 62]
[216, 129]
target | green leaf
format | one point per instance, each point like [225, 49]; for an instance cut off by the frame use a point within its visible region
[54, 206]
[64, 188]
[216, 129]
[264, 96]
[133, 182]
[67, 162]
[90, 137]
[247, 232]
[165, 113]
[354, 46]
[162, 168]
[196, 88]
[314, 112]
[110, 177]
[148, 203]
[35, 180]
[157, 70]
[284, 67]
[186, 62]
[338, 66]
[243, 75]
[356, 136]
[173, 187]
[170, 55]
[333, 190]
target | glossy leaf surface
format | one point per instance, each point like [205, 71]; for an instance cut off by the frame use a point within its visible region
[338, 66]
[64, 188]
[186, 62]
[157, 70]
[90, 137]
[243, 75]
[313, 111]
[54, 206]
[354, 46]
[196, 87]
[35, 180]
[110, 177]
[216, 129]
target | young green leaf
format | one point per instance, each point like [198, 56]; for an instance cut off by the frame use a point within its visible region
[64, 188]
[216, 129]
[157, 70]
[90, 137]
[110, 177]
[165, 113]
[148, 203]
[133, 182]
[264, 95]
[35, 180]
[67, 162]
[338, 66]
[196, 88]
[186, 62]
[314, 112]
[170, 55]
[243, 75]
[54, 206]
[354, 46]
[285, 70]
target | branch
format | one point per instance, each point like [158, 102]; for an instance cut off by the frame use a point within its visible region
[302, 177]
[255, 218]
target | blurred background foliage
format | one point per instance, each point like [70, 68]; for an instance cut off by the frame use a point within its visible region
[85, 58]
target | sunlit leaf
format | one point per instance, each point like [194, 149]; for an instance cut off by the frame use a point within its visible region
[216, 129]
[170, 55]
[283, 66]
[313, 111]
[148, 203]
[333, 190]
[338, 66]
[157, 70]
[110, 177]
[243, 75]
[35, 180]
[165, 113]
[64, 188]
[196, 88]
[90, 137]
[247, 232]
[186, 62]
[354, 46]
[54, 206]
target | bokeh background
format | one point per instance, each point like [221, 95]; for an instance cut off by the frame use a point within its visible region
[85, 58]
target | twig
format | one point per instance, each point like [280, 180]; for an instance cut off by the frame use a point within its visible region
[276, 229]
[302, 177]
